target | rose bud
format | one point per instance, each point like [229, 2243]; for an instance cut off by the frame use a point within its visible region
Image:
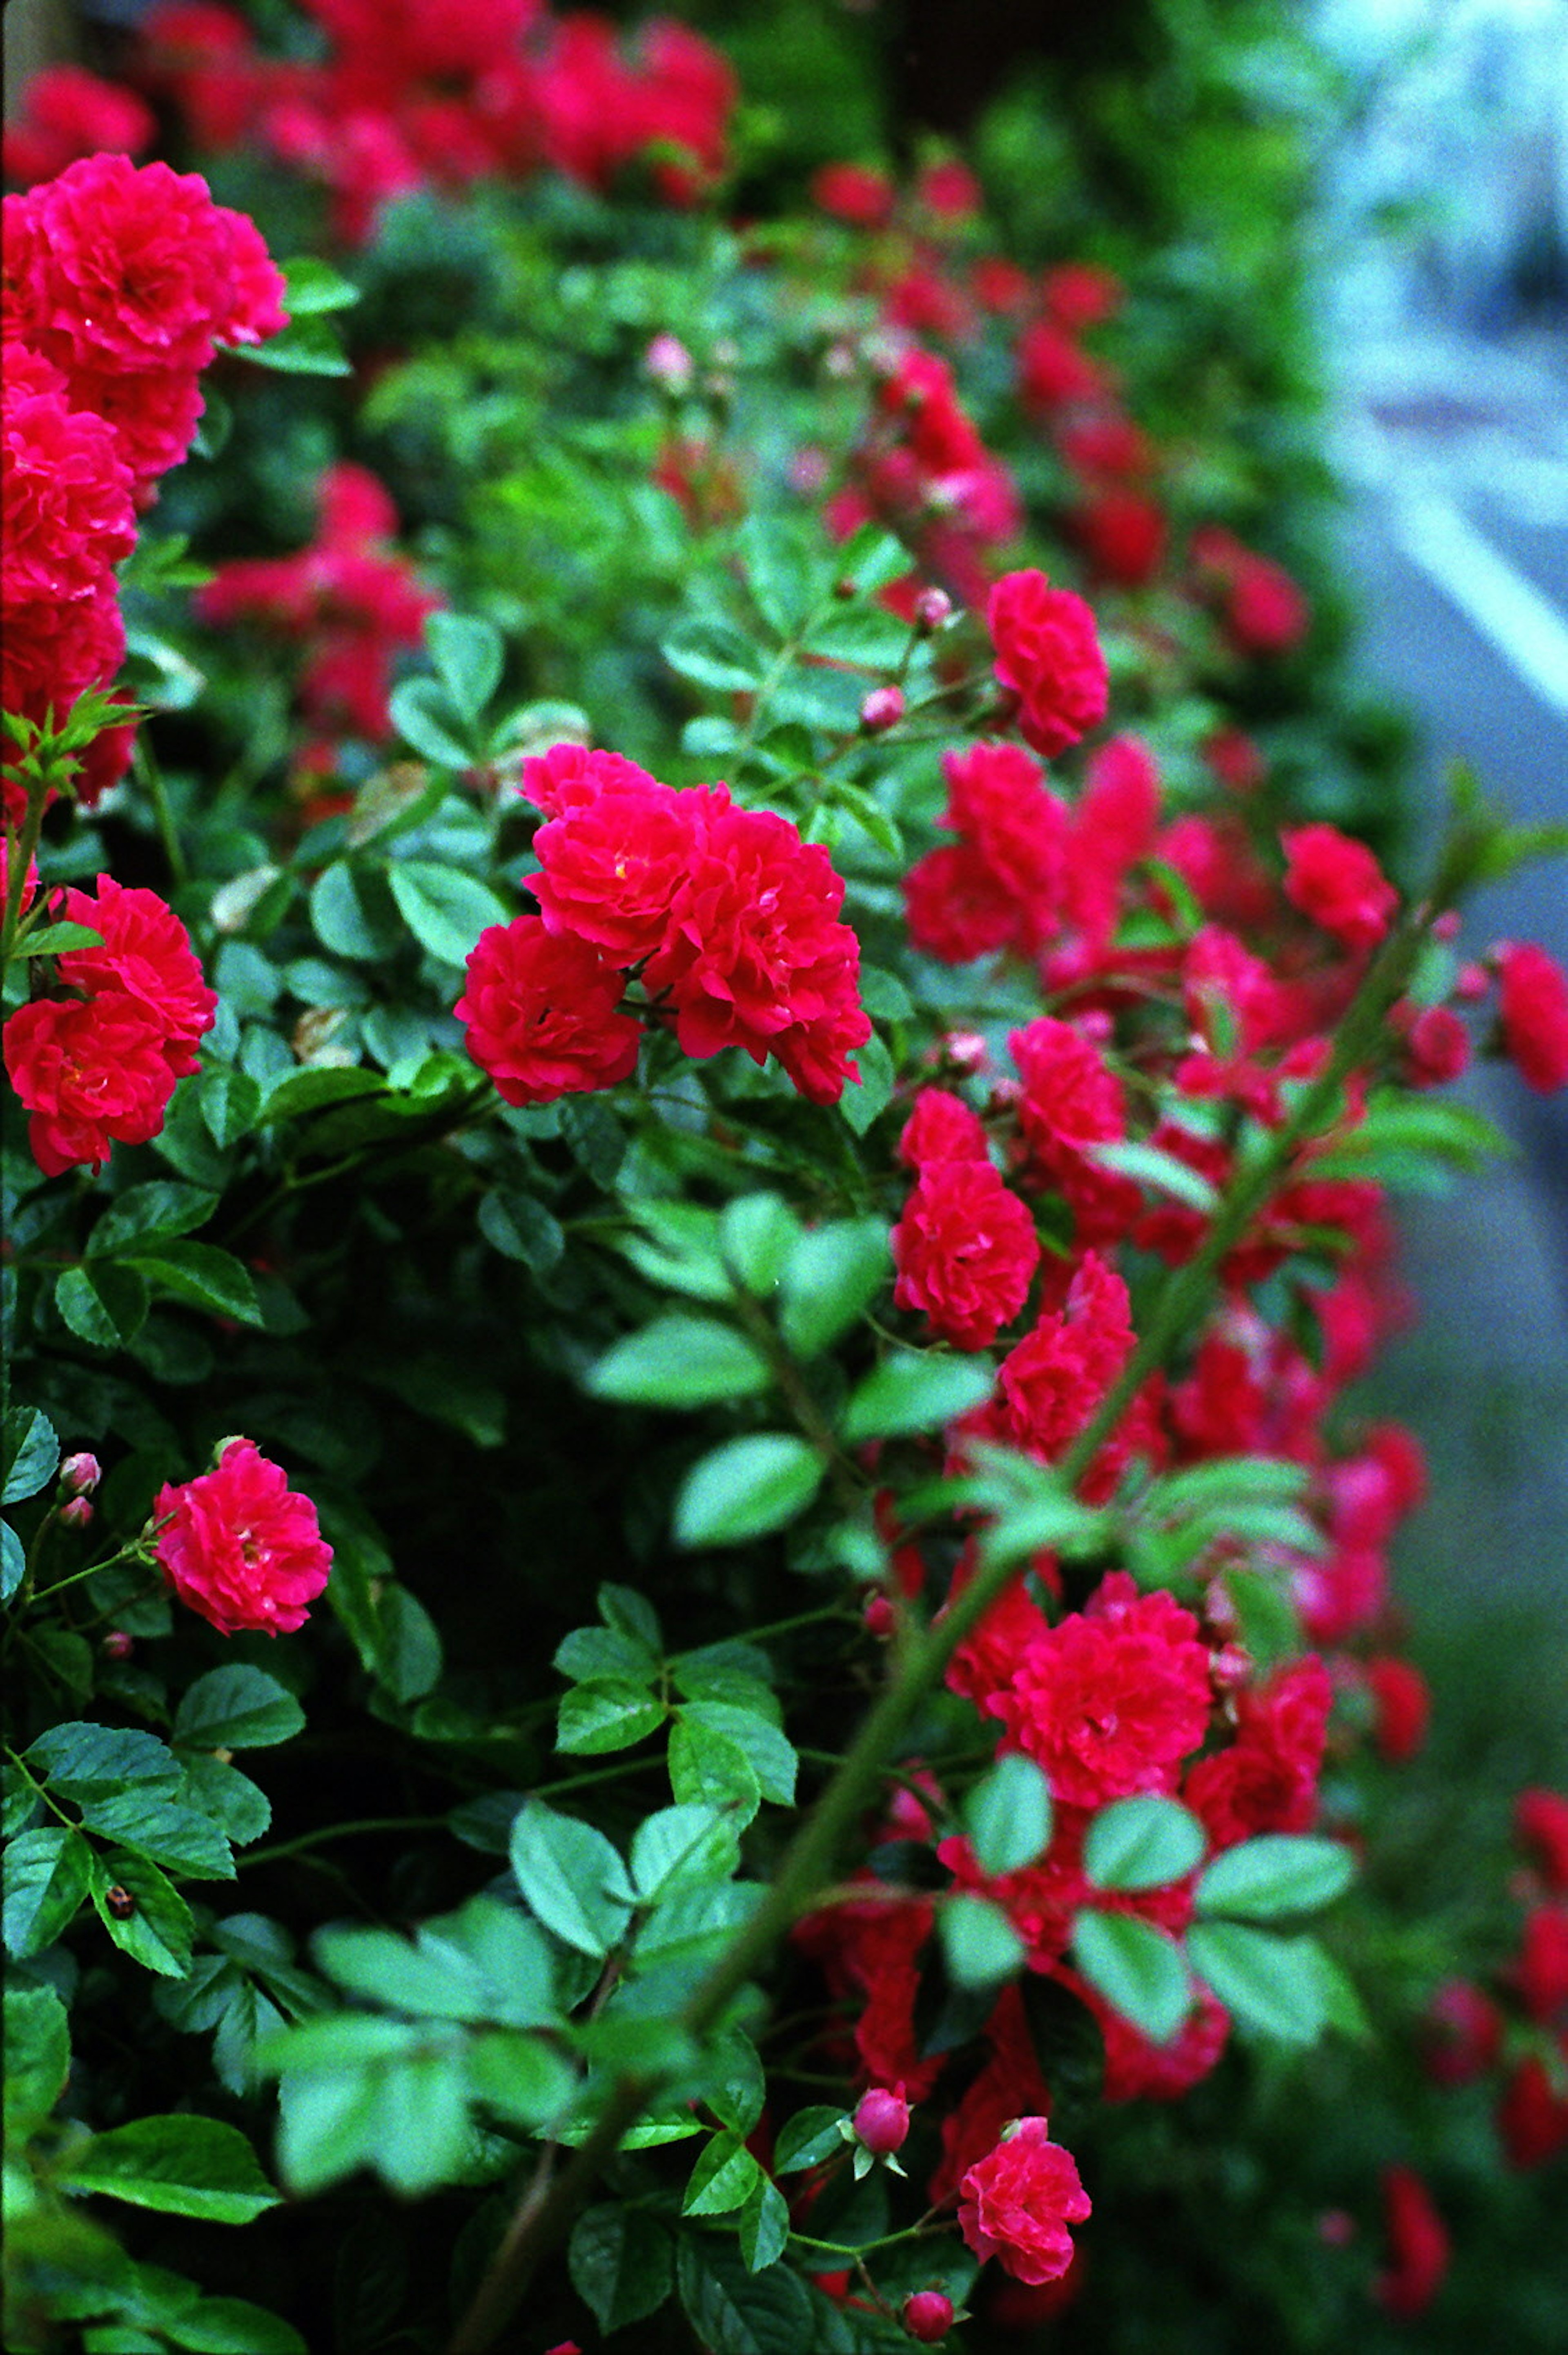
[932, 608]
[76, 1513]
[927, 2316]
[882, 709]
[881, 2122]
[80, 1475]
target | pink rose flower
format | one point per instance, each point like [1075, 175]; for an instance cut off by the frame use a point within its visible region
[1017, 2204]
[966, 1250]
[543, 1014]
[241, 1546]
[1337, 882]
[1534, 1009]
[1048, 651]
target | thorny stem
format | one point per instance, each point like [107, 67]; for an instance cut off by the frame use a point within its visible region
[808, 1862]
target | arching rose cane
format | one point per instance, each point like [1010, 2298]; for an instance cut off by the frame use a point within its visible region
[241, 1546]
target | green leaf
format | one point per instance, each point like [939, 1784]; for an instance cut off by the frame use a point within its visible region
[37, 2056]
[746, 1488]
[237, 1707]
[911, 1392]
[596, 1652]
[32, 1452]
[979, 1944]
[158, 1931]
[230, 1105]
[468, 656]
[104, 1306]
[486, 1962]
[1269, 1982]
[521, 2077]
[710, 1767]
[622, 2264]
[629, 1612]
[808, 2138]
[1142, 1843]
[206, 1277]
[779, 571]
[606, 1713]
[13, 1562]
[734, 2312]
[184, 2166]
[405, 2114]
[85, 1761]
[873, 820]
[180, 1839]
[756, 1235]
[238, 1807]
[681, 1361]
[1138, 1969]
[572, 1877]
[521, 1229]
[764, 2226]
[54, 940]
[680, 1846]
[154, 1212]
[769, 1751]
[1278, 1872]
[47, 1876]
[345, 915]
[871, 1094]
[1150, 1166]
[680, 1250]
[310, 286]
[306, 346]
[714, 655]
[722, 2179]
[298, 1093]
[232, 2326]
[1007, 1815]
[831, 1278]
[445, 909]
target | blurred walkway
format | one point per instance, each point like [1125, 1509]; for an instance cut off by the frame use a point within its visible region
[1457, 454]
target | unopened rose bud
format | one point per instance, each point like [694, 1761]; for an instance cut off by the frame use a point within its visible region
[1230, 1667]
[881, 2122]
[882, 709]
[117, 1645]
[966, 1050]
[668, 362]
[932, 608]
[1472, 982]
[76, 1513]
[927, 2316]
[878, 1616]
[80, 1475]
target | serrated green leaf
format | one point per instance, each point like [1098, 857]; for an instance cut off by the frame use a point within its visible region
[1275, 1873]
[158, 1930]
[104, 1304]
[734, 2312]
[230, 1105]
[714, 655]
[710, 1767]
[722, 2179]
[182, 2166]
[681, 1361]
[770, 1751]
[468, 656]
[149, 1214]
[32, 1452]
[831, 1278]
[47, 1876]
[605, 1713]
[808, 2138]
[622, 2264]
[747, 1489]
[763, 2226]
[1266, 1980]
[521, 1229]
[204, 1276]
[237, 1707]
[445, 909]
[682, 1845]
[756, 1235]
[871, 1094]
[310, 286]
[1138, 1969]
[1142, 1843]
[572, 1877]
[179, 1839]
[1007, 1815]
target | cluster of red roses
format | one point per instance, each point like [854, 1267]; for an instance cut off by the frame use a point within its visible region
[415, 93]
[1521, 2022]
[352, 603]
[726, 917]
[97, 1068]
[120, 285]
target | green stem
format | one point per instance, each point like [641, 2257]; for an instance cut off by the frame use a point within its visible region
[808, 1862]
[20, 851]
[152, 776]
[325, 1832]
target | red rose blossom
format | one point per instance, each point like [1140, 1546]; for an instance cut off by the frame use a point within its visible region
[612, 871]
[1048, 652]
[67, 513]
[69, 112]
[1337, 882]
[1017, 2204]
[940, 1127]
[146, 953]
[241, 1546]
[966, 1250]
[1533, 1008]
[543, 1017]
[1541, 1821]
[1417, 2245]
[92, 1074]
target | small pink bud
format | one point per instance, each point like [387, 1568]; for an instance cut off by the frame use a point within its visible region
[932, 608]
[927, 2316]
[668, 362]
[1446, 928]
[1230, 1667]
[879, 1615]
[882, 709]
[1473, 981]
[80, 1475]
[966, 1050]
[881, 2122]
[118, 1644]
[76, 1513]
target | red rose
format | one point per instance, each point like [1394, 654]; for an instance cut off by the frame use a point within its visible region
[1123, 534]
[1017, 2203]
[958, 906]
[940, 1127]
[1533, 2117]
[1266, 610]
[1266, 1781]
[1540, 1973]
[997, 801]
[145, 952]
[241, 1546]
[1534, 1009]
[49, 652]
[69, 112]
[851, 193]
[543, 1014]
[154, 413]
[1048, 652]
[91, 1074]
[1417, 2245]
[67, 513]
[612, 871]
[755, 956]
[1112, 1698]
[1337, 882]
[1402, 1703]
[1541, 1821]
[569, 777]
[966, 1250]
[1461, 2034]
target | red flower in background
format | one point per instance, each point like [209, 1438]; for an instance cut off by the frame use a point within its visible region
[67, 113]
[1048, 652]
[966, 1250]
[241, 1546]
[1540, 1822]
[1017, 2204]
[1534, 1009]
[1337, 882]
[1417, 2245]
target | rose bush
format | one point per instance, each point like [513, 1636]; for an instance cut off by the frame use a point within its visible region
[733, 1307]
